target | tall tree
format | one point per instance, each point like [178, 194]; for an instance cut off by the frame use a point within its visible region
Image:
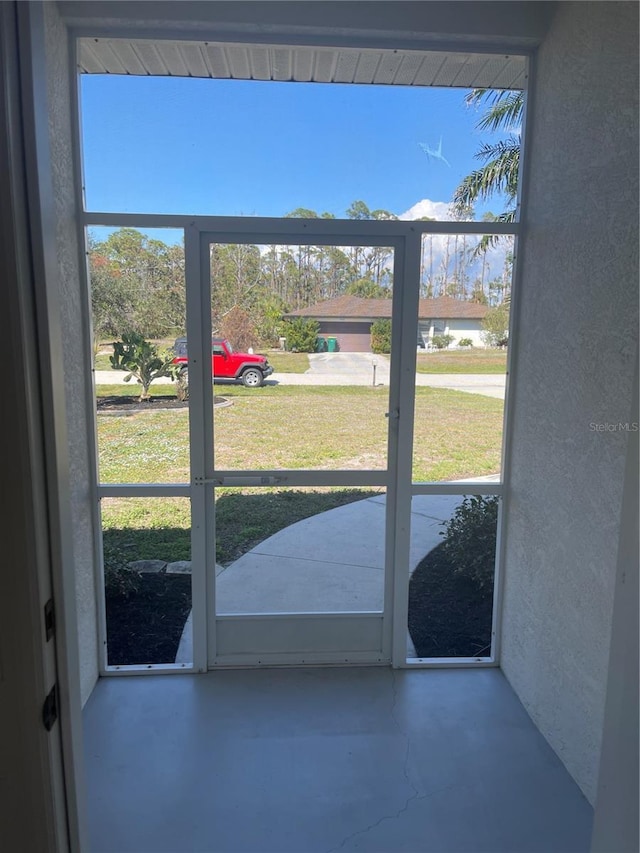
[236, 276]
[500, 160]
[137, 285]
[368, 289]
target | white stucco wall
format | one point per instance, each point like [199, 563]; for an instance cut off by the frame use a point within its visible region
[615, 823]
[74, 343]
[461, 329]
[575, 358]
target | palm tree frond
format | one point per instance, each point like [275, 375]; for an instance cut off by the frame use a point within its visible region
[504, 148]
[506, 113]
[500, 160]
[499, 174]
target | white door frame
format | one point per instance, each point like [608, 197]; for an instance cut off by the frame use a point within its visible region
[338, 638]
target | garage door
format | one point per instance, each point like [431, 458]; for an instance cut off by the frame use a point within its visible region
[351, 337]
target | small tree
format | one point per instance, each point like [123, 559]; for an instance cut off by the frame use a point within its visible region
[143, 361]
[301, 334]
[238, 328]
[495, 325]
[381, 336]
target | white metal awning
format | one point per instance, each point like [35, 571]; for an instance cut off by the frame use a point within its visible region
[303, 64]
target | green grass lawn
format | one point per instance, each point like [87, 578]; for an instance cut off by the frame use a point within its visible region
[323, 427]
[160, 528]
[462, 361]
[457, 435]
[101, 361]
[287, 362]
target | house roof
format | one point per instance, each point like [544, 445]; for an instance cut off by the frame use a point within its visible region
[358, 308]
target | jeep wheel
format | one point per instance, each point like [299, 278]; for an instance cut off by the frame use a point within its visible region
[252, 378]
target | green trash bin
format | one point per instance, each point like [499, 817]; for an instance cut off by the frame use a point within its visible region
[321, 344]
[332, 344]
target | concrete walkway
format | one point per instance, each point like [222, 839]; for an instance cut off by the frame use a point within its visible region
[331, 562]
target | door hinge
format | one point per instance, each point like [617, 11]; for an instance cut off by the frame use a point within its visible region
[49, 620]
[50, 708]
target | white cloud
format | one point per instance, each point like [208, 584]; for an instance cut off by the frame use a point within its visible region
[426, 207]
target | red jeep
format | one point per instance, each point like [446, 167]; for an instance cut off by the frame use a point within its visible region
[249, 369]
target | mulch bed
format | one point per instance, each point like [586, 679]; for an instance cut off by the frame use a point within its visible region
[449, 615]
[131, 404]
[145, 627]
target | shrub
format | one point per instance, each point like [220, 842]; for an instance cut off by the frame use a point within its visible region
[465, 342]
[381, 336]
[239, 329]
[182, 386]
[470, 538]
[119, 579]
[301, 334]
[143, 361]
[442, 341]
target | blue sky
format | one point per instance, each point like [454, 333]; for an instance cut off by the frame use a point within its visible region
[229, 147]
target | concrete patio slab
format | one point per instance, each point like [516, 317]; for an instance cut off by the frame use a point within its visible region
[331, 562]
[266, 583]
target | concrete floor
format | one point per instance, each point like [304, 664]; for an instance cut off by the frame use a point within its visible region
[306, 760]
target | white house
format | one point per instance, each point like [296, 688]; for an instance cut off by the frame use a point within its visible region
[348, 319]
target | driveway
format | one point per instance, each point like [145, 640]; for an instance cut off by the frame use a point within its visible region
[352, 368]
[357, 368]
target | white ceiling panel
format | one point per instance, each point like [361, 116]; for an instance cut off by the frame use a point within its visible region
[193, 57]
[346, 66]
[324, 66]
[431, 64]
[281, 62]
[172, 58]
[105, 54]
[303, 63]
[128, 58]
[367, 67]
[260, 64]
[224, 60]
[238, 62]
[388, 68]
[450, 70]
[217, 62]
[92, 62]
[150, 58]
[408, 70]
[511, 74]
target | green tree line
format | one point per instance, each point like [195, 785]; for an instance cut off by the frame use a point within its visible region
[138, 283]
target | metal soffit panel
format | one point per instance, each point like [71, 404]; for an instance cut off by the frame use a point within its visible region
[301, 64]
